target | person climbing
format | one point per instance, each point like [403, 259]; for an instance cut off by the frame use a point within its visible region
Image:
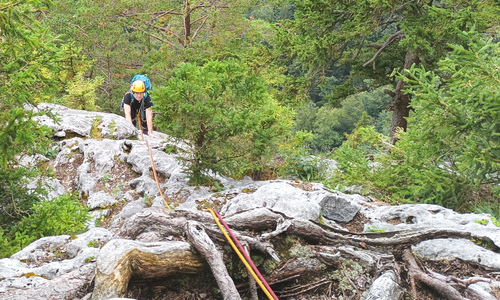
[137, 105]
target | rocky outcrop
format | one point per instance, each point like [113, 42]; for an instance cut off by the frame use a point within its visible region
[308, 240]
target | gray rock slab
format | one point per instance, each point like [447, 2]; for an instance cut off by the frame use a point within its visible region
[21, 283]
[39, 249]
[428, 216]
[81, 122]
[102, 153]
[86, 179]
[66, 149]
[458, 248]
[165, 164]
[127, 211]
[279, 196]
[10, 267]
[385, 287]
[77, 249]
[100, 200]
[82, 241]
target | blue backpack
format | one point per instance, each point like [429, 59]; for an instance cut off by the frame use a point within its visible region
[144, 79]
[149, 88]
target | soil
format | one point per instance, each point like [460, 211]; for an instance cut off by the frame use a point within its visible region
[67, 173]
[457, 268]
[357, 224]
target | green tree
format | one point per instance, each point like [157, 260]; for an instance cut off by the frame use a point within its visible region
[451, 153]
[458, 110]
[330, 124]
[227, 115]
[374, 38]
[82, 93]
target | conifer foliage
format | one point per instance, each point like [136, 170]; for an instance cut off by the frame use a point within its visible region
[451, 153]
[227, 115]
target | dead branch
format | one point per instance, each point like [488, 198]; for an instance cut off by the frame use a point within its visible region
[299, 267]
[150, 34]
[393, 37]
[168, 31]
[199, 27]
[416, 274]
[207, 248]
[207, 6]
[313, 232]
[302, 289]
[349, 279]
[10, 5]
[164, 13]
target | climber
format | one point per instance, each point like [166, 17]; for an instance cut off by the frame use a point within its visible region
[137, 105]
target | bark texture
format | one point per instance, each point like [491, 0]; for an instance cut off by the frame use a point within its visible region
[401, 101]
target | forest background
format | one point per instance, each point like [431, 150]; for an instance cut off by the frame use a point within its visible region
[403, 95]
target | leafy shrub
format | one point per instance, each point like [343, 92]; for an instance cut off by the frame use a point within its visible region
[304, 167]
[82, 92]
[64, 215]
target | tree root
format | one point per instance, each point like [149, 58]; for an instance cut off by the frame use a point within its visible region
[207, 248]
[375, 252]
[416, 274]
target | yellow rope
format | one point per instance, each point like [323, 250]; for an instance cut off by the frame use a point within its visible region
[241, 256]
[156, 177]
[152, 164]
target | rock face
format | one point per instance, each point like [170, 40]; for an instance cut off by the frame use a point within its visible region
[350, 245]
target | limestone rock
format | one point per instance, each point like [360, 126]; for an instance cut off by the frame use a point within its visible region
[465, 250]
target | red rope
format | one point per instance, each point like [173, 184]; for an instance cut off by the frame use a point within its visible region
[247, 257]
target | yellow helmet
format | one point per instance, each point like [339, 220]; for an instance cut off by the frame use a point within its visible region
[138, 86]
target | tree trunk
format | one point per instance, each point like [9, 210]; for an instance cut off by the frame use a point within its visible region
[401, 101]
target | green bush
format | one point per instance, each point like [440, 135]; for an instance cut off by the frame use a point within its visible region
[304, 167]
[63, 215]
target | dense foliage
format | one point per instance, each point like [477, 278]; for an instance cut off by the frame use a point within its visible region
[349, 46]
[34, 68]
[27, 53]
[329, 123]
